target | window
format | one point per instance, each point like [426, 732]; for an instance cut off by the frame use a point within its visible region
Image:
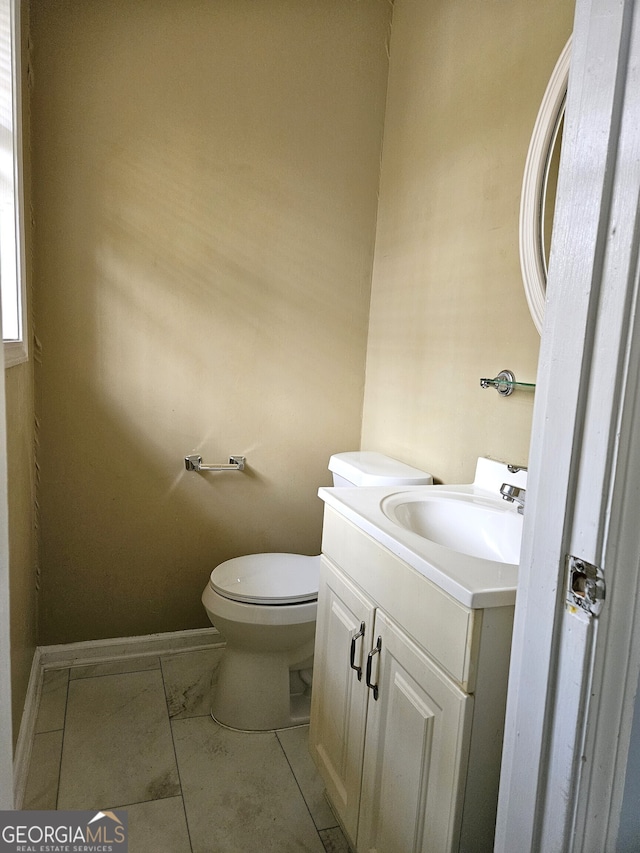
[12, 286]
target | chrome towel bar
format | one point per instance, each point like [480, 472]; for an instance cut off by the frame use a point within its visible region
[194, 463]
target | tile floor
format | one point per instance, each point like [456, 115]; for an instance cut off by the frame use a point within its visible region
[137, 735]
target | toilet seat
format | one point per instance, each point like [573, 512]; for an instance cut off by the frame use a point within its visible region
[268, 579]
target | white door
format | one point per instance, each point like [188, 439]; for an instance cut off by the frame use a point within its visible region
[416, 749]
[339, 698]
[574, 672]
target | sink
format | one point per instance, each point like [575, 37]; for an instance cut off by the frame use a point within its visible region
[464, 538]
[477, 526]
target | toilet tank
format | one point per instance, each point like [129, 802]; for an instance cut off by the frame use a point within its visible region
[368, 468]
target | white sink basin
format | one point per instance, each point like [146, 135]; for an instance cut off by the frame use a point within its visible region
[484, 528]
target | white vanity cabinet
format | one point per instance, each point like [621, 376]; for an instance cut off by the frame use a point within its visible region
[412, 765]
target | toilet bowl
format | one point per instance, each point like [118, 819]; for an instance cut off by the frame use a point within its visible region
[264, 605]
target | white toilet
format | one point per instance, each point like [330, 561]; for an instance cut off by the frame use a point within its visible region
[264, 605]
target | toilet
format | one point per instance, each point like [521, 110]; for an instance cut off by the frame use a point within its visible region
[264, 605]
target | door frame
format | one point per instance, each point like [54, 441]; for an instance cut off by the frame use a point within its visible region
[6, 726]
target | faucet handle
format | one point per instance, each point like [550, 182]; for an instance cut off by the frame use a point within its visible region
[514, 469]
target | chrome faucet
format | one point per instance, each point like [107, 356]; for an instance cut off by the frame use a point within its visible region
[513, 494]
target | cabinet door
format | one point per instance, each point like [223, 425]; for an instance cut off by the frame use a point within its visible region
[339, 697]
[416, 751]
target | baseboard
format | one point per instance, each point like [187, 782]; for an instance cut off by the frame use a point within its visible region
[26, 734]
[101, 651]
[89, 652]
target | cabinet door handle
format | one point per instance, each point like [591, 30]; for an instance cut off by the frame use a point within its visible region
[352, 653]
[370, 656]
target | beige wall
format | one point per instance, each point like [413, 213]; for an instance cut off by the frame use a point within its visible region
[21, 485]
[465, 83]
[205, 203]
[205, 179]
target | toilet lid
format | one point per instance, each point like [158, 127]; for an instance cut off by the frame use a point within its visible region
[268, 578]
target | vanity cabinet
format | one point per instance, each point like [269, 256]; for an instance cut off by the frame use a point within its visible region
[406, 736]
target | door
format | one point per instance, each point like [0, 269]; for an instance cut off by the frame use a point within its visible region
[415, 762]
[339, 698]
[574, 669]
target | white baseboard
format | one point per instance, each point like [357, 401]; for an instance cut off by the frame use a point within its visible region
[90, 652]
[101, 651]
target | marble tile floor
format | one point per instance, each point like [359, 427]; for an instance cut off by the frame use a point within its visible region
[137, 735]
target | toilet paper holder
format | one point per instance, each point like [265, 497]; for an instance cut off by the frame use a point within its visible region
[194, 463]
